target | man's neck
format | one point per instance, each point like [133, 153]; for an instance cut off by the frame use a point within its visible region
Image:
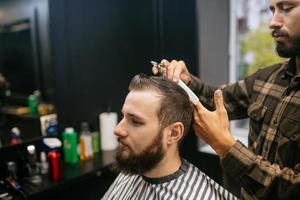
[168, 165]
[298, 65]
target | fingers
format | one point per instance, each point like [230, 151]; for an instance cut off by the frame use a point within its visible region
[177, 71]
[219, 102]
[165, 62]
[173, 70]
[155, 70]
[170, 69]
[199, 107]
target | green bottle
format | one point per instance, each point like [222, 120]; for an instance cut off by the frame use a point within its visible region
[96, 141]
[33, 104]
[70, 145]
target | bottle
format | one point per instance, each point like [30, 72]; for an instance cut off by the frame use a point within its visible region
[12, 169]
[33, 165]
[52, 128]
[15, 136]
[96, 142]
[55, 165]
[54, 158]
[70, 145]
[33, 104]
[44, 163]
[86, 148]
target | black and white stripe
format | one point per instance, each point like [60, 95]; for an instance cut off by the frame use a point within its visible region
[187, 183]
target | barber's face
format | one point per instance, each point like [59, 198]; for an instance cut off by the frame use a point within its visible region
[285, 24]
[139, 133]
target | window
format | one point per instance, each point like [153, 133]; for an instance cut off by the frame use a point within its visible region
[251, 47]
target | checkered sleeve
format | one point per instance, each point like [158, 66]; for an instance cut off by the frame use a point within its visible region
[259, 177]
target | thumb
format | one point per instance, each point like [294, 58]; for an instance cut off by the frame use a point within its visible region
[219, 102]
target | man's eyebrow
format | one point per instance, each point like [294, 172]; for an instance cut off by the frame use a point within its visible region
[280, 3]
[284, 2]
[132, 115]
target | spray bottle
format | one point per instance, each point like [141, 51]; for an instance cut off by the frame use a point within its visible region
[54, 158]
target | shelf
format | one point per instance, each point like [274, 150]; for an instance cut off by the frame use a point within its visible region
[72, 174]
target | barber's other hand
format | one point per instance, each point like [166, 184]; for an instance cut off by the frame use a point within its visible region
[174, 70]
[213, 127]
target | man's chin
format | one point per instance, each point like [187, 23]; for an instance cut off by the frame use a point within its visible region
[123, 153]
[283, 51]
[288, 49]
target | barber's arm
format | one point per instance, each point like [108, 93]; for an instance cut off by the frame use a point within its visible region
[256, 176]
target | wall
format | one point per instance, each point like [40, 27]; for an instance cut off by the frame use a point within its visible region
[97, 47]
[213, 29]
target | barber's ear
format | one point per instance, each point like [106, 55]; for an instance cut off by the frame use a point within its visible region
[175, 132]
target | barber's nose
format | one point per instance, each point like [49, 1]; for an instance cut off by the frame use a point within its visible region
[119, 130]
[276, 21]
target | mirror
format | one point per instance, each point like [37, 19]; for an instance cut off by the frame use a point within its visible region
[25, 64]
[18, 61]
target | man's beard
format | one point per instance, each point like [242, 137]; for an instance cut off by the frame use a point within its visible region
[288, 52]
[144, 161]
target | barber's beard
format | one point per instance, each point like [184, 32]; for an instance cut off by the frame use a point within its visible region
[144, 161]
[288, 52]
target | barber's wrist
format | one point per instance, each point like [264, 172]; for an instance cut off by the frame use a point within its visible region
[224, 146]
[189, 80]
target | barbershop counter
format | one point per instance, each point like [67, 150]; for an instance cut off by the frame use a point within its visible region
[86, 180]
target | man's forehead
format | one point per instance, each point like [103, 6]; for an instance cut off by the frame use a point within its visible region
[144, 101]
[144, 96]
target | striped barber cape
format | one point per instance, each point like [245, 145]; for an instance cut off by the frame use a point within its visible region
[187, 183]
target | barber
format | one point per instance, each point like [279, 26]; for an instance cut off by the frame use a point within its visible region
[269, 167]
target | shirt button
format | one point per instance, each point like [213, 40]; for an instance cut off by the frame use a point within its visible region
[275, 121]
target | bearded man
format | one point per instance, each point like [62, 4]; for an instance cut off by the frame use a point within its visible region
[157, 114]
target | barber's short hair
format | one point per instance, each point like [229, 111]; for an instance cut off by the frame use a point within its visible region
[175, 104]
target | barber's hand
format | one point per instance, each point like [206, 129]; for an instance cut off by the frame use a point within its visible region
[174, 70]
[213, 127]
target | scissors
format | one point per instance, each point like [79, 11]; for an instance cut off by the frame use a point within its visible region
[159, 66]
[193, 98]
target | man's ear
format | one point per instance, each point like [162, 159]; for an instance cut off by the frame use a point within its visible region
[175, 132]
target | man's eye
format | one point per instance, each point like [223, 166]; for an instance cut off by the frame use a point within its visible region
[286, 8]
[136, 122]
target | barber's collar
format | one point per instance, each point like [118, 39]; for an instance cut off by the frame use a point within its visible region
[290, 69]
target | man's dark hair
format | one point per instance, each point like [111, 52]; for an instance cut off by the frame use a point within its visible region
[175, 104]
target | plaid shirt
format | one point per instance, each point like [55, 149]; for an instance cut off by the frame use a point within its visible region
[269, 168]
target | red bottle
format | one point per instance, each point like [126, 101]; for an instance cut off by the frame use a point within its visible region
[55, 165]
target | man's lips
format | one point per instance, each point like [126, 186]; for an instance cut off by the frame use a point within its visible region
[123, 144]
[279, 35]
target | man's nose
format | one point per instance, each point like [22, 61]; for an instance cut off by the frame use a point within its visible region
[119, 130]
[276, 21]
